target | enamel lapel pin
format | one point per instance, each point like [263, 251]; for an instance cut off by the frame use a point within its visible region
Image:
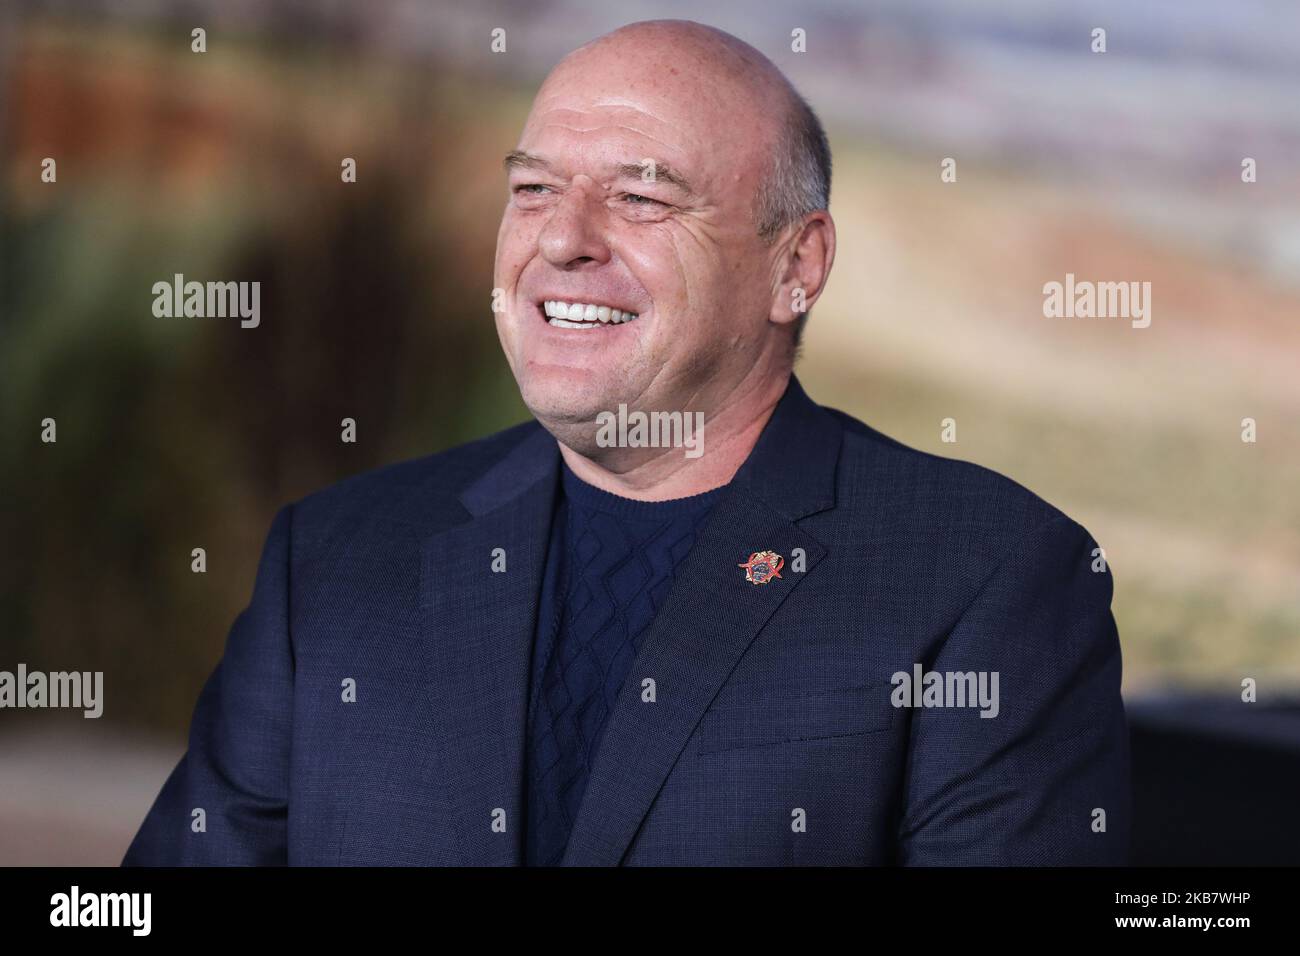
[762, 567]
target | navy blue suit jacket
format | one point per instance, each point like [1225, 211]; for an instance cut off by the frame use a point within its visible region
[770, 736]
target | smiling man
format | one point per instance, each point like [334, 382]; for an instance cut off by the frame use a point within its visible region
[789, 640]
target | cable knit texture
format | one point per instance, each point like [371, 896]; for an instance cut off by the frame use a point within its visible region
[610, 565]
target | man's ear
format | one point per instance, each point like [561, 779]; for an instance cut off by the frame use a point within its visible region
[805, 263]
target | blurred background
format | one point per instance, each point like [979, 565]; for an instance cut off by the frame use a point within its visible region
[176, 434]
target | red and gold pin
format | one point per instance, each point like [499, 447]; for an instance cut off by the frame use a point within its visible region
[762, 567]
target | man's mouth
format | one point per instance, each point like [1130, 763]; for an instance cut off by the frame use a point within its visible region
[583, 315]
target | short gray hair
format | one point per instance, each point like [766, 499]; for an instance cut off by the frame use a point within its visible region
[799, 180]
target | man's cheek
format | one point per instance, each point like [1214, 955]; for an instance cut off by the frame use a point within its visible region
[701, 265]
[516, 236]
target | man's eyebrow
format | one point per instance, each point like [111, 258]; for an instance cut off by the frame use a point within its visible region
[660, 172]
[518, 159]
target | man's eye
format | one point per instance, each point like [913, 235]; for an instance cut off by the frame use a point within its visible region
[529, 188]
[637, 200]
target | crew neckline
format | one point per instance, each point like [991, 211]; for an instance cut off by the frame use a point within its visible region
[587, 495]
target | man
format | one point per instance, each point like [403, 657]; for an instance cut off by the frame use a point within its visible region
[781, 639]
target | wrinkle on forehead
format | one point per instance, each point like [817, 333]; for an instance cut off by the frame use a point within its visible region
[671, 104]
[692, 142]
[658, 117]
[584, 120]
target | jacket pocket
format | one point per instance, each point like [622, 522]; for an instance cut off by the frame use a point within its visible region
[771, 721]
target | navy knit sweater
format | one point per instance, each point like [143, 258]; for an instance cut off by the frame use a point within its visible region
[609, 567]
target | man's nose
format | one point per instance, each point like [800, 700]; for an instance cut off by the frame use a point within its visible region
[575, 232]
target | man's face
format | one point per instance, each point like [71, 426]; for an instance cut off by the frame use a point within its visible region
[589, 222]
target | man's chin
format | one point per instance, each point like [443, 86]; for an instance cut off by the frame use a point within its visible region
[560, 408]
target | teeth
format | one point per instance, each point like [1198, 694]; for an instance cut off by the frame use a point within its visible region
[583, 315]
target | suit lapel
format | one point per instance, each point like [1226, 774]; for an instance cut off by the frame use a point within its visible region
[478, 630]
[710, 617]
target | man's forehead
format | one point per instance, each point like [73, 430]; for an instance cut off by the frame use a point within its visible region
[611, 132]
[608, 129]
[585, 101]
[651, 94]
[616, 117]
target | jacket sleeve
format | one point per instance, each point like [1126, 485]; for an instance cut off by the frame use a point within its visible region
[236, 770]
[1046, 780]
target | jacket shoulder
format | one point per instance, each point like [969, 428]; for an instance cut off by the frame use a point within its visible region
[431, 483]
[968, 504]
